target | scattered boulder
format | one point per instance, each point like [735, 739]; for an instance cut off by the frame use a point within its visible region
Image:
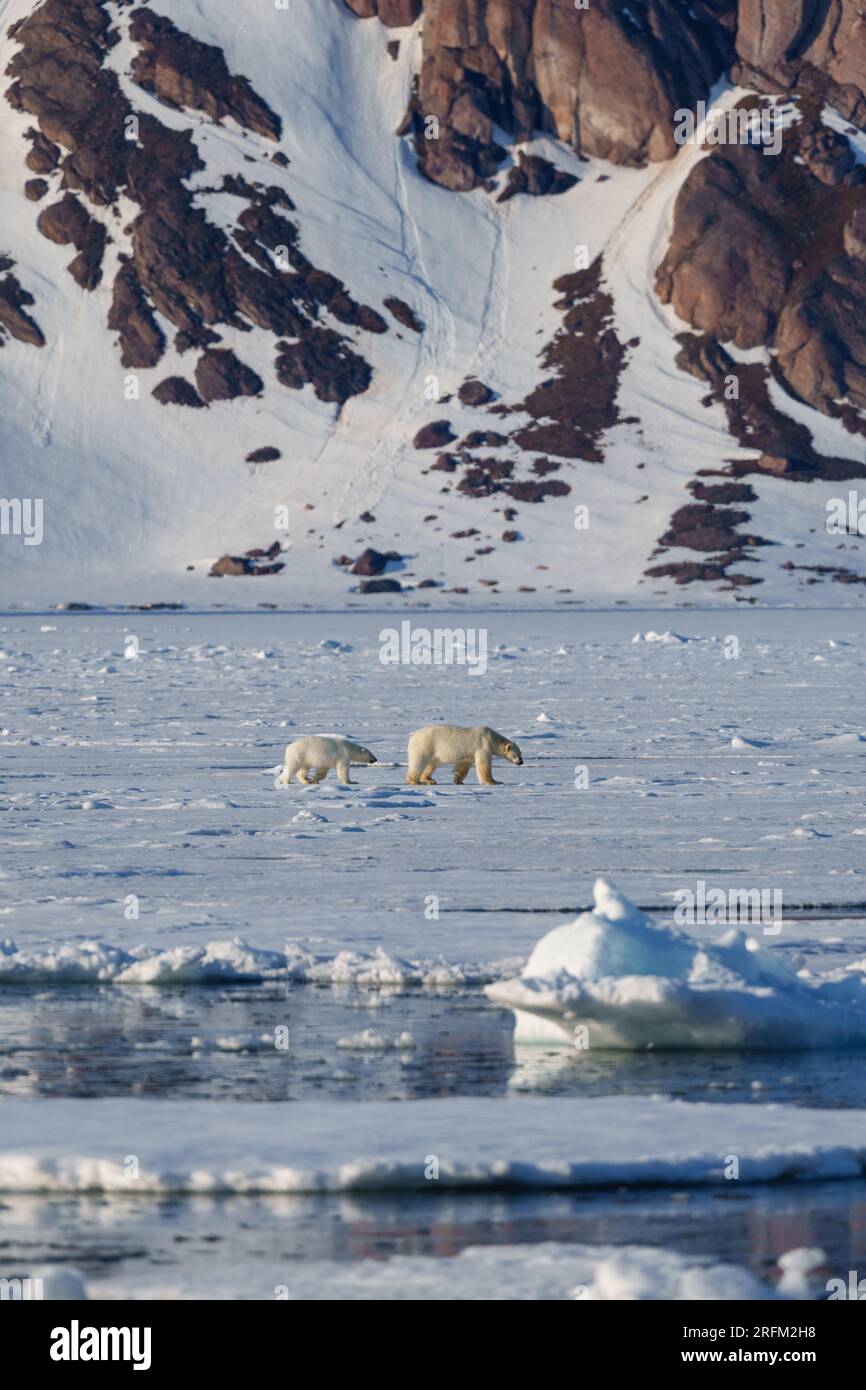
[221, 376]
[404, 314]
[474, 393]
[14, 321]
[268, 454]
[175, 390]
[68, 222]
[434, 436]
[233, 565]
[35, 189]
[323, 359]
[479, 439]
[43, 156]
[254, 563]
[380, 586]
[374, 562]
[142, 342]
[536, 177]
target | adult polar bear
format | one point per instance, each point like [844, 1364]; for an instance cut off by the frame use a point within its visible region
[437, 744]
[322, 752]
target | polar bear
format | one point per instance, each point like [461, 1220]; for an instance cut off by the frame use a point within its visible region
[436, 744]
[322, 752]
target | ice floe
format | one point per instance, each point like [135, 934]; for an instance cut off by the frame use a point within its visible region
[466, 1142]
[222, 962]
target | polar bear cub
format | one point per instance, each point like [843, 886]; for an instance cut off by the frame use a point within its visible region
[322, 752]
[436, 744]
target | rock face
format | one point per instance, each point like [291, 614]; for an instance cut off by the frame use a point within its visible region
[768, 251]
[195, 273]
[394, 14]
[780, 45]
[606, 79]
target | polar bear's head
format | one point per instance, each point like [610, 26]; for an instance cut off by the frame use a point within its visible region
[511, 751]
[365, 756]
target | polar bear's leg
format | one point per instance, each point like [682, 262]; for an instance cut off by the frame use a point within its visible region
[302, 775]
[461, 768]
[414, 776]
[427, 774]
[321, 774]
[343, 772]
[484, 770]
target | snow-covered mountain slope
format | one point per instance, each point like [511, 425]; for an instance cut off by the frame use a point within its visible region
[140, 497]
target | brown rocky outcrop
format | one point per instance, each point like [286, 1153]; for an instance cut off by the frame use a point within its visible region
[434, 436]
[267, 454]
[141, 340]
[404, 313]
[261, 561]
[394, 14]
[535, 176]
[380, 586]
[766, 251]
[181, 71]
[783, 45]
[374, 562]
[67, 222]
[474, 393]
[221, 376]
[181, 265]
[324, 360]
[175, 390]
[606, 78]
[14, 321]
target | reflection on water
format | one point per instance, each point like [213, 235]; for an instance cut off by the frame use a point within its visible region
[131, 1243]
[213, 1043]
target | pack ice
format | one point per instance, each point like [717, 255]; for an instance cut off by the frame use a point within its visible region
[631, 982]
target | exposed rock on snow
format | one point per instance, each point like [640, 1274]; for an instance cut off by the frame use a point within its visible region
[14, 300]
[181, 263]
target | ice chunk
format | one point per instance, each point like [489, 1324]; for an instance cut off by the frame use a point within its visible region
[616, 979]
